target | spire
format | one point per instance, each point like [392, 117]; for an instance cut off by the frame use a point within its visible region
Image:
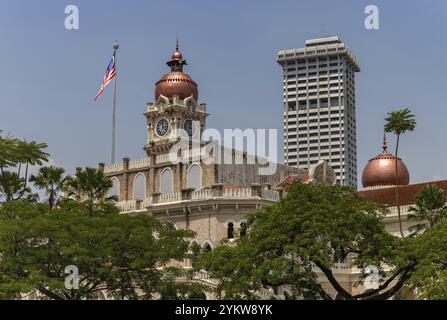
[177, 62]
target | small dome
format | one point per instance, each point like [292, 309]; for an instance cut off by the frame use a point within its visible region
[177, 55]
[381, 170]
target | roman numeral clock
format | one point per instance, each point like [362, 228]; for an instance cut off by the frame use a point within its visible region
[162, 127]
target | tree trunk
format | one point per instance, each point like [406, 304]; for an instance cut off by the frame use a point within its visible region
[26, 181]
[51, 197]
[397, 189]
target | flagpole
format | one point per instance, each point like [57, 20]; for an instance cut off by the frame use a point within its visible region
[115, 47]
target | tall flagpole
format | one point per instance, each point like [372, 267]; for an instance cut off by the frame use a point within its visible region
[115, 47]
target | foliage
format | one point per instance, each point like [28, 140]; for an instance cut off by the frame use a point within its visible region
[88, 185]
[399, 122]
[15, 154]
[430, 208]
[131, 256]
[127, 256]
[430, 276]
[314, 226]
[51, 180]
[12, 184]
[174, 290]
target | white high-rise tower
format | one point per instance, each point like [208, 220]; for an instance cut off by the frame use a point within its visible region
[319, 106]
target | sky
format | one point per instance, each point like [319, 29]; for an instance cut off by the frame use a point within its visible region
[49, 75]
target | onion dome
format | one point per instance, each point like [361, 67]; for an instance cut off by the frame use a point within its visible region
[176, 82]
[381, 170]
[177, 55]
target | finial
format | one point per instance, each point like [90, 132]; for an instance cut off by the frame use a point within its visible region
[385, 145]
[116, 46]
[176, 44]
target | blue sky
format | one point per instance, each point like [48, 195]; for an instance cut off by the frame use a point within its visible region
[49, 75]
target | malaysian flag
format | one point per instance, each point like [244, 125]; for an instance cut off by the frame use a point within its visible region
[110, 74]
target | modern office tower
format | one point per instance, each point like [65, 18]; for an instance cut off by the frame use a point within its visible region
[319, 106]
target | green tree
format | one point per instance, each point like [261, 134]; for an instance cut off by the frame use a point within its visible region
[14, 155]
[399, 122]
[314, 226]
[430, 208]
[430, 275]
[88, 184]
[128, 256]
[12, 185]
[51, 180]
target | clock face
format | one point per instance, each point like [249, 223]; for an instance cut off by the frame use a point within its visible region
[188, 127]
[162, 127]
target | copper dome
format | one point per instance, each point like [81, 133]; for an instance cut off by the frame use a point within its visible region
[176, 82]
[381, 170]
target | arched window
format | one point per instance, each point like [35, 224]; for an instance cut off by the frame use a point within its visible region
[243, 230]
[230, 231]
[167, 181]
[139, 187]
[195, 177]
[115, 190]
[207, 247]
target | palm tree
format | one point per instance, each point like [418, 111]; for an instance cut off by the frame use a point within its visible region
[88, 185]
[12, 185]
[15, 154]
[399, 122]
[51, 180]
[430, 207]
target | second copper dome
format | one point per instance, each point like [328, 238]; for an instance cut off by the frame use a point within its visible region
[381, 171]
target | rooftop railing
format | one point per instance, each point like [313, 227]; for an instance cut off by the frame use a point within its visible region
[284, 55]
[116, 167]
[255, 192]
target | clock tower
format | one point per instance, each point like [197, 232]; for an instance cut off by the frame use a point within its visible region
[176, 113]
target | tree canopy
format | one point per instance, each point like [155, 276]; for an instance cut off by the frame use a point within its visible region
[14, 155]
[138, 257]
[126, 256]
[429, 209]
[430, 275]
[311, 229]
